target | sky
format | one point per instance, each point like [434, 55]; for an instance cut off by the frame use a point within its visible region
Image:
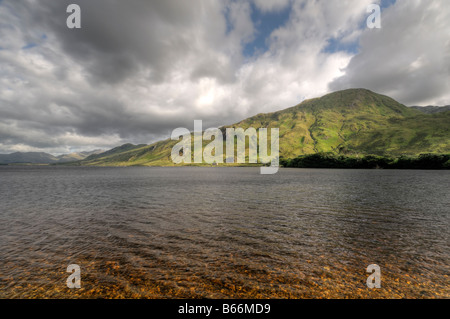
[138, 69]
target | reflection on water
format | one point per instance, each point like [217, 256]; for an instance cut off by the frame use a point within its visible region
[223, 232]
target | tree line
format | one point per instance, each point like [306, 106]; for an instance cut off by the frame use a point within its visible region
[329, 160]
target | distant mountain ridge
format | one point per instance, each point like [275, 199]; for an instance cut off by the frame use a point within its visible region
[430, 109]
[43, 158]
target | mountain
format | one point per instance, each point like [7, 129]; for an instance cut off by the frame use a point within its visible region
[115, 151]
[432, 109]
[77, 156]
[43, 158]
[349, 122]
[130, 155]
[28, 157]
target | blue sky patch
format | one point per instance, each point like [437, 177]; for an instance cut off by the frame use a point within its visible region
[29, 46]
[265, 23]
[335, 44]
[386, 3]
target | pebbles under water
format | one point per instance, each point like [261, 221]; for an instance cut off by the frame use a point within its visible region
[223, 232]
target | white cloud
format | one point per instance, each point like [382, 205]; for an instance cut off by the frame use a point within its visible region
[408, 58]
[271, 5]
[139, 69]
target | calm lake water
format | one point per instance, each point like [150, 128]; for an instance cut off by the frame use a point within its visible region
[223, 232]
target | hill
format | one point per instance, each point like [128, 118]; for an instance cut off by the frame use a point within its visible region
[42, 158]
[430, 109]
[28, 157]
[350, 122]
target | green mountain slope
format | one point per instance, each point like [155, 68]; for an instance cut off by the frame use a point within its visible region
[349, 122]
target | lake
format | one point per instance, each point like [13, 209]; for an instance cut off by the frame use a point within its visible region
[219, 232]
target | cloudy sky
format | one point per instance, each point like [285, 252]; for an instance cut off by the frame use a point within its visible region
[138, 69]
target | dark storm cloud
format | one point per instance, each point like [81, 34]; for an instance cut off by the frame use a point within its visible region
[120, 44]
[118, 38]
